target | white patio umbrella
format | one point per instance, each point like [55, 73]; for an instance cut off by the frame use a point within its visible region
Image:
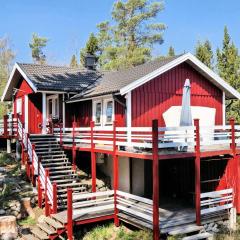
[186, 114]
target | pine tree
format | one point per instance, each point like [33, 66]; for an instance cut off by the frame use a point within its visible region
[37, 45]
[228, 65]
[90, 48]
[6, 59]
[204, 53]
[74, 63]
[130, 40]
[171, 52]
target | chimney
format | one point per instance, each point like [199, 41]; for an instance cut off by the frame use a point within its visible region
[90, 62]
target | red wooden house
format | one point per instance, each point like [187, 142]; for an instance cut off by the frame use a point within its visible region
[131, 99]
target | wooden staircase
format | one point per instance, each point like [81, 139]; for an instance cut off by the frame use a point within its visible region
[50, 228]
[60, 168]
[62, 173]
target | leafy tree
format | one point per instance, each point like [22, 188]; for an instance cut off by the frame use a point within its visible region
[6, 58]
[130, 39]
[90, 48]
[74, 62]
[228, 65]
[37, 45]
[171, 52]
[204, 53]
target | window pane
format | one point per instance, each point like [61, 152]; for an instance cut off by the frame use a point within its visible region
[50, 107]
[19, 106]
[98, 112]
[109, 111]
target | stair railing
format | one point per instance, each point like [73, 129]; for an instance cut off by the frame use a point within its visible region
[37, 169]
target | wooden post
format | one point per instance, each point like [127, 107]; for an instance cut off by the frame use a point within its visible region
[93, 159]
[115, 174]
[236, 202]
[61, 132]
[69, 214]
[33, 174]
[54, 197]
[155, 170]
[47, 213]
[73, 146]
[39, 193]
[22, 144]
[5, 125]
[197, 172]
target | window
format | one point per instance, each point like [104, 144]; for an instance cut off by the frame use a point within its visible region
[103, 112]
[98, 112]
[108, 112]
[52, 106]
[19, 106]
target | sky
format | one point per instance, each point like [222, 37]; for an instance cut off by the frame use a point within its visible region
[68, 23]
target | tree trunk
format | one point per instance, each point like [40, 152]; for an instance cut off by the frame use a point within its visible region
[8, 227]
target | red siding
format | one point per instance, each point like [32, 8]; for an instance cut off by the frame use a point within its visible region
[23, 89]
[120, 112]
[81, 111]
[35, 112]
[153, 98]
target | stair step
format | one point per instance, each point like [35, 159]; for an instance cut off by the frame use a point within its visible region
[185, 229]
[48, 149]
[39, 233]
[54, 156]
[78, 189]
[46, 228]
[59, 168]
[60, 217]
[69, 185]
[55, 224]
[48, 145]
[50, 152]
[54, 159]
[61, 171]
[205, 235]
[29, 237]
[56, 164]
[64, 176]
[64, 180]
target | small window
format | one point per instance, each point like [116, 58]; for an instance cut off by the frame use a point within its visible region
[98, 113]
[109, 111]
[19, 106]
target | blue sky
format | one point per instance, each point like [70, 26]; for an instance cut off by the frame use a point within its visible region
[68, 23]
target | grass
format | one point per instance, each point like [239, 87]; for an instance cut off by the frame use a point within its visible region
[27, 222]
[6, 159]
[110, 232]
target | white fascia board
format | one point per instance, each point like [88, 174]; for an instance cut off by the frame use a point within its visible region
[16, 67]
[186, 57]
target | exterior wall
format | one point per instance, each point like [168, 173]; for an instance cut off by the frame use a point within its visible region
[124, 172]
[35, 113]
[153, 98]
[81, 111]
[120, 115]
[23, 89]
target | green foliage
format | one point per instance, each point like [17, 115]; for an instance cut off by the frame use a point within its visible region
[27, 222]
[37, 45]
[130, 39]
[171, 52]
[228, 65]
[74, 63]
[204, 53]
[6, 159]
[90, 48]
[6, 58]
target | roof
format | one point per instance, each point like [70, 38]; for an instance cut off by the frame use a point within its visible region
[89, 83]
[112, 82]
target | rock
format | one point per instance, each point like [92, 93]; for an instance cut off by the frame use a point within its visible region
[27, 207]
[9, 236]
[8, 227]
[2, 212]
[14, 213]
[19, 216]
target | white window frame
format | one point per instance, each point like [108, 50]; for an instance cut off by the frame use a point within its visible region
[19, 106]
[53, 98]
[95, 102]
[103, 120]
[105, 101]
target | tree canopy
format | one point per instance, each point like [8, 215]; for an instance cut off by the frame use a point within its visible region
[171, 52]
[74, 62]
[37, 44]
[7, 56]
[129, 40]
[204, 53]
